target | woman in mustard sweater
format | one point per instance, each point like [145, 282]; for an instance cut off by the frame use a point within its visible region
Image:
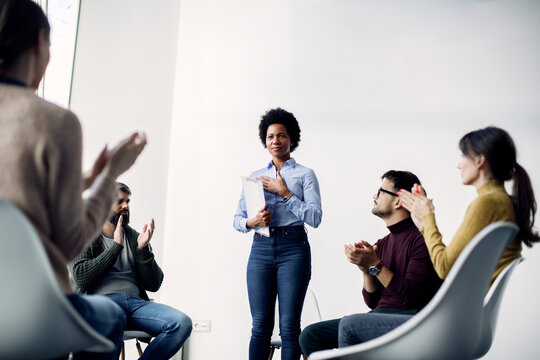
[488, 160]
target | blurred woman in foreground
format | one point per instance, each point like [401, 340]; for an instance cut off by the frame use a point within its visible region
[40, 158]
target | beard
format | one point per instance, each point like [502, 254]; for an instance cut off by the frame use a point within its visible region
[115, 216]
[382, 213]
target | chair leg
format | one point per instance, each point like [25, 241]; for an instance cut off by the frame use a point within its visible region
[138, 344]
[271, 355]
[122, 355]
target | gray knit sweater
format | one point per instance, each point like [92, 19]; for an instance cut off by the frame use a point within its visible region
[95, 261]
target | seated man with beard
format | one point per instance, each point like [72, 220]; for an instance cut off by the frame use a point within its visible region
[119, 264]
[398, 276]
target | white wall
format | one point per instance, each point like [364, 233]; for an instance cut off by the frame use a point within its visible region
[123, 81]
[375, 85]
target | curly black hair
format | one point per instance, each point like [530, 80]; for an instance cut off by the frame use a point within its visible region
[280, 116]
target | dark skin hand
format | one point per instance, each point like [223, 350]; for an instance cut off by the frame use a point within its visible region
[275, 186]
[263, 218]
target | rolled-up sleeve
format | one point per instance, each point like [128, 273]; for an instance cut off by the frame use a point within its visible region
[309, 210]
[240, 217]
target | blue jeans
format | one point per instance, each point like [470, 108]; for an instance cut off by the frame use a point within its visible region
[105, 317]
[169, 327]
[359, 328]
[279, 265]
[320, 336]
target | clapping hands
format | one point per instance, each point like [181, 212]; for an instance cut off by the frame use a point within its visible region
[362, 254]
[146, 234]
[417, 203]
[114, 162]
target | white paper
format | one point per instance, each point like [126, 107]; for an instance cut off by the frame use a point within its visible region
[254, 197]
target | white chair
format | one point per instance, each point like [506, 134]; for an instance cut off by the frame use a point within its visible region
[450, 326]
[310, 315]
[492, 303]
[138, 336]
[36, 319]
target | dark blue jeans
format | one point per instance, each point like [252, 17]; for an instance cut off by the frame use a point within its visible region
[320, 336]
[279, 265]
[356, 329]
[105, 317]
[359, 328]
[168, 326]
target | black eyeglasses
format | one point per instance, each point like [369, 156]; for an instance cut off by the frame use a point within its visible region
[386, 191]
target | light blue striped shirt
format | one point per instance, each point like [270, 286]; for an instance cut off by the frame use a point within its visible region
[303, 207]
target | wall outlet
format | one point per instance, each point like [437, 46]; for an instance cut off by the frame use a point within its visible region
[201, 325]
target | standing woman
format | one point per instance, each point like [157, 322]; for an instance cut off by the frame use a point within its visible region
[40, 162]
[488, 160]
[280, 265]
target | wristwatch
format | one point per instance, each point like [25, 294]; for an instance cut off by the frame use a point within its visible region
[375, 270]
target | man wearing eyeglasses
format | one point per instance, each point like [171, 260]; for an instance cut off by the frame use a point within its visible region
[399, 278]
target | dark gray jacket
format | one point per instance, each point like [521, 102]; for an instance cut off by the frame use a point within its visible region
[95, 261]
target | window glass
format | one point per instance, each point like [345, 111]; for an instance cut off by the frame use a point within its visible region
[63, 17]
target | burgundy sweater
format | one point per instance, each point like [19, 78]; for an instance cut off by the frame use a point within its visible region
[415, 281]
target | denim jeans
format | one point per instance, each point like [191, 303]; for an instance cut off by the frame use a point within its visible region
[359, 328]
[105, 317]
[320, 336]
[169, 327]
[279, 265]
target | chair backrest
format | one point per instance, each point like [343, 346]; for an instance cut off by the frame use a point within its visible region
[310, 315]
[449, 326]
[310, 312]
[37, 320]
[492, 304]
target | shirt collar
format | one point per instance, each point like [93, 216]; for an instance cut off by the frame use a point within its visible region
[489, 187]
[9, 81]
[403, 225]
[291, 163]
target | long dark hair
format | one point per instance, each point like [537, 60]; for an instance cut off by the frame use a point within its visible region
[500, 152]
[20, 22]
